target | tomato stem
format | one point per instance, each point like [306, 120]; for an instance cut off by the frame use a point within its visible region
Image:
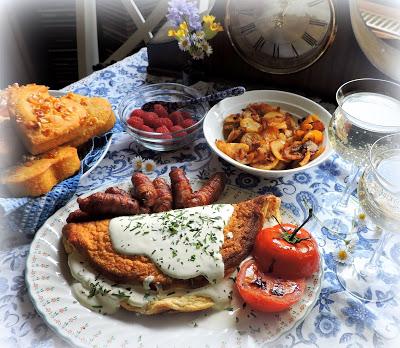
[293, 234]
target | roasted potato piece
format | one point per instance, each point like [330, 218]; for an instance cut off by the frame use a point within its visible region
[249, 125]
[254, 140]
[235, 134]
[272, 114]
[262, 153]
[276, 149]
[230, 123]
[266, 166]
[231, 149]
[263, 108]
[306, 159]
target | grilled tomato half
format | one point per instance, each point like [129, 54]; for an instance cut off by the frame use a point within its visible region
[266, 292]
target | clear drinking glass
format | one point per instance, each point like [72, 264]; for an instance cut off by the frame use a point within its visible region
[376, 278]
[367, 110]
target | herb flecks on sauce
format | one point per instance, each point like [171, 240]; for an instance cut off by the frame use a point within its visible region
[183, 243]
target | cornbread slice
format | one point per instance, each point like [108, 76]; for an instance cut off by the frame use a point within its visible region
[43, 121]
[38, 176]
[100, 117]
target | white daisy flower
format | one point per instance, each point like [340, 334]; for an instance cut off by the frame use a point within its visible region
[207, 48]
[342, 256]
[184, 44]
[197, 54]
[137, 163]
[149, 166]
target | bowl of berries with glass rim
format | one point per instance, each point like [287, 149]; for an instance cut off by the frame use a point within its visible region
[158, 129]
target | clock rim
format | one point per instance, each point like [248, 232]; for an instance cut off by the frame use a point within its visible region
[283, 71]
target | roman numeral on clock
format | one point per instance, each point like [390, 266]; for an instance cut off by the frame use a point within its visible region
[245, 12]
[319, 22]
[294, 50]
[248, 28]
[259, 44]
[309, 39]
[275, 52]
[315, 3]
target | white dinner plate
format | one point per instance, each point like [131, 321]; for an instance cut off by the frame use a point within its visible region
[49, 285]
[297, 105]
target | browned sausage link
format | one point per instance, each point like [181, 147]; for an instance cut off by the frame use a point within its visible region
[108, 204]
[144, 189]
[117, 191]
[164, 196]
[181, 189]
[144, 210]
[210, 192]
[81, 216]
[78, 216]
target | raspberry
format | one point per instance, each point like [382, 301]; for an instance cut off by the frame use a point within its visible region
[143, 127]
[150, 118]
[188, 122]
[134, 121]
[138, 113]
[160, 110]
[177, 128]
[186, 114]
[164, 121]
[162, 129]
[176, 117]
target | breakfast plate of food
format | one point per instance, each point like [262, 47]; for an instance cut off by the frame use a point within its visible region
[46, 135]
[171, 260]
[268, 133]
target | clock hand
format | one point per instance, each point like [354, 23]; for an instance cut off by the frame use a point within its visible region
[286, 8]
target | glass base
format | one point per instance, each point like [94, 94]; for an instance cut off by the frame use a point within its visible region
[336, 218]
[373, 283]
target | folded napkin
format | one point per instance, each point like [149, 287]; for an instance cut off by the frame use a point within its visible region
[26, 215]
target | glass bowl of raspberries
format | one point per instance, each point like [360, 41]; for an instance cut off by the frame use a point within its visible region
[159, 129]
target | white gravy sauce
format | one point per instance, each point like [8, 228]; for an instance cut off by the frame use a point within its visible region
[102, 295]
[183, 243]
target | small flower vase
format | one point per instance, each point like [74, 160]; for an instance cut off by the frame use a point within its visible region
[193, 71]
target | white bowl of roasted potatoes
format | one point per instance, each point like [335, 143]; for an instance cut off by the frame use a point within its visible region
[269, 133]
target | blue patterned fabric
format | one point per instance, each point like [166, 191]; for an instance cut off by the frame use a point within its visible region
[337, 319]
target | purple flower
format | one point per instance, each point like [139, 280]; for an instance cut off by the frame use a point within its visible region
[184, 10]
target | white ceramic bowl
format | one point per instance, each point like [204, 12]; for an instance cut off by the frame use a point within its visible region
[297, 105]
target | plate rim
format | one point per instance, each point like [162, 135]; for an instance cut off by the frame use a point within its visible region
[262, 172]
[74, 340]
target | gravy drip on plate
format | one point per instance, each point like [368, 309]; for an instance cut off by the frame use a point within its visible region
[183, 243]
[102, 295]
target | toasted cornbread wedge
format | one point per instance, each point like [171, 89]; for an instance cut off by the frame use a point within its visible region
[43, 121]
[100, 117]
[38, 176]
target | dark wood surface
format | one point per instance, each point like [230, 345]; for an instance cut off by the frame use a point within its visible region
[342, 62]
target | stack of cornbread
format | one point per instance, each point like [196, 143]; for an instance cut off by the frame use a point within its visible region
[39, 136]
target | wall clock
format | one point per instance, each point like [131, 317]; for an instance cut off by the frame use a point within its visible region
[280, 36]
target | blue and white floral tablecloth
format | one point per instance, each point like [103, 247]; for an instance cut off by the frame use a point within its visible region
[337, 320]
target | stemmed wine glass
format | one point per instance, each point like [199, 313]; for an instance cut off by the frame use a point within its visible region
[367, 110]
[376, 278]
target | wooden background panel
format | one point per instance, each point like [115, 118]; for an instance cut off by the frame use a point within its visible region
[342, 62]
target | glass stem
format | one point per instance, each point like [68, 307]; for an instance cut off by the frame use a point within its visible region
[373, 261]
[344, 200]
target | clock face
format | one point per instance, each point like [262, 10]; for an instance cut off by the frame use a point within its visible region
[280, 36]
